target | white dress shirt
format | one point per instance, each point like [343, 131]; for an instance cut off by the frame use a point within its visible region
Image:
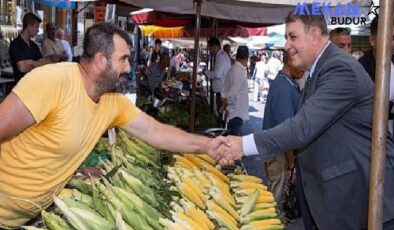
[67, 48]
[235, 90]
[222, 65]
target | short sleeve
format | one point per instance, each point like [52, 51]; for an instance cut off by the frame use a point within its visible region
[126, 111]
[40, 91]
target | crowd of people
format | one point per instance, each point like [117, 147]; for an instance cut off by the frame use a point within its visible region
[322, 128]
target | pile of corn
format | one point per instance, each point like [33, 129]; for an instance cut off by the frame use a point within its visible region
[139, 192]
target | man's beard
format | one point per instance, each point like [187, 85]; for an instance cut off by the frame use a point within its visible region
[109, 81]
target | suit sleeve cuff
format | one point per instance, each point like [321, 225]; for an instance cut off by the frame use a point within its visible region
[249, 146]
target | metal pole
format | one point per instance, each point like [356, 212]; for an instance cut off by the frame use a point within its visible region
[380, 115]
[195, 64]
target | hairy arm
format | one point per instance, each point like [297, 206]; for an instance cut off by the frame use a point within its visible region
[167, 137]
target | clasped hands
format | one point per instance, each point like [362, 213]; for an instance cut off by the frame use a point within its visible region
[225, 150]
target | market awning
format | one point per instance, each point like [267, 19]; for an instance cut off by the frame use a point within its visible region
[66, 4]
[149, 17]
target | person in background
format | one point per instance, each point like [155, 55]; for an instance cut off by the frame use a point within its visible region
[155, 54]
[260, 79]
[25, 54]
[235, 93]
[176, 59]
[282, 103]
[51, 45]
[274, 65]
[66, 45]
[144, 55]
[46, 134]
[157, 71]
[340, 36]
[221, 66]
[331, 133]
[368, 61]
[227, 49]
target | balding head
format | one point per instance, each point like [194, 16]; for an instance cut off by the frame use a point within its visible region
[50, 30]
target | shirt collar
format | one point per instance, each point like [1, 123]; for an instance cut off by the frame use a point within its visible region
[317, 59]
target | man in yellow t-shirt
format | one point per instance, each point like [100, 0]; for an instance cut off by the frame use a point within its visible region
[55, 115]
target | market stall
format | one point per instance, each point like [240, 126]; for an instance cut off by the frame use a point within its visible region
[144, 188]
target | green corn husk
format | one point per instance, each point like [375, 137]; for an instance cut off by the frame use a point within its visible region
[249, 203]
[139, 188]
[92, 219]
[54, 222]
[71, 217]
[130, 216]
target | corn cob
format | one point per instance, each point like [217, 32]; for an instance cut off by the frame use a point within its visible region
[206, 158]
[244, 185]
[201, 177]
[120, 224]
[248, 191]
[76, 204]
[245, 178]
[263, 206]
[216, 181]
[53, 221]
[140, 204]
[184, 161]
[212, 206]
[221, 220]
[226, 195]
[259, 215]
[223, 203]
[92, 219]
[100, 205]
[192, 223]
[267, 227]
[260, 199]
[169, 225]
[71, 217]
[139, 188]
[191, 195]
[249, 203]
[193, 212]
[81, 197]
[189, 182]
[65, 193]
[130, 216]
[204, 165]
[265, 222]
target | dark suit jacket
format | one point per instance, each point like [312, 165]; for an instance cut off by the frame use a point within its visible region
[332, 134]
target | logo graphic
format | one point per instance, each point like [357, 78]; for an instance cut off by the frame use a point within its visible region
[373, 9]
[340, 14]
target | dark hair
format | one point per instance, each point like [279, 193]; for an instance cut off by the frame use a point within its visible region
[309, 20]
[374, 26]
[213, 41]
[99, 38]
[242, 53]
[157, 42]
[30, 19]
[340, 31]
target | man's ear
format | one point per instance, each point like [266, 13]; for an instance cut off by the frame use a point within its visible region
[101, 61]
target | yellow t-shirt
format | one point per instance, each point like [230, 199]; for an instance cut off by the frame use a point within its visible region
[36, 164]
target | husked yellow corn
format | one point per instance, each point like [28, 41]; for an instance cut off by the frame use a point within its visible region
[246, 178]
[191, 195]
[211, 204]
[207, 158]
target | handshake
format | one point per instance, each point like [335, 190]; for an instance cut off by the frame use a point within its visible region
[225, 150]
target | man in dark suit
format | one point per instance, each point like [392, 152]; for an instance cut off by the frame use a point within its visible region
[331, 133]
